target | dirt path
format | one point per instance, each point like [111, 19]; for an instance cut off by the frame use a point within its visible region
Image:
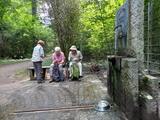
[28, 100]
[14, 72]
[52, 101]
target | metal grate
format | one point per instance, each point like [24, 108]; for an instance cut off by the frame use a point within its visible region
[152, 36]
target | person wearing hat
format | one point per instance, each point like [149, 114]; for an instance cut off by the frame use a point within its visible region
[58, 58]
[37, 58]
[75, 56]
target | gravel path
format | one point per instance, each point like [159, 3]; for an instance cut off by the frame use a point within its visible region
[28, 100]
[14, 72]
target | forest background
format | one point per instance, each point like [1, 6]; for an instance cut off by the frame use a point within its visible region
[88, 24]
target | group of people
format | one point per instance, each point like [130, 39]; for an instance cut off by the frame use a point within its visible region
[58, 61]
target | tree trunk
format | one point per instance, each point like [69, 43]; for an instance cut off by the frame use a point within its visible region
[65, 14]
[34, 7]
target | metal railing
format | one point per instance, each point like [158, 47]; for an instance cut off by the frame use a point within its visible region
[152, 37]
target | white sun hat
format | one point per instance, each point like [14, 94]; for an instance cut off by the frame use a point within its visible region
[73, 47]
[56, 49]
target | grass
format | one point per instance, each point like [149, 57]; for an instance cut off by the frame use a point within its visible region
[11, 61]
[47, 62]
[22, 73]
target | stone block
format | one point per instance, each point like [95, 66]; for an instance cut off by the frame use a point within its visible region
[130, 84]
[149, 107]
[129, 75]
[158, 105]
[153, 85]
[125, 85]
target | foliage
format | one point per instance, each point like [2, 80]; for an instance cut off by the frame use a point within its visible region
[89, 24]
[97, 26]
[66, 21]
[47, 62]
[20, 30]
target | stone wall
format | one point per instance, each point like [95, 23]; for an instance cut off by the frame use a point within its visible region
[149, 97]
[137, 94]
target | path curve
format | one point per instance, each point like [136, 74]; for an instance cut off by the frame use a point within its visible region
[12, 73]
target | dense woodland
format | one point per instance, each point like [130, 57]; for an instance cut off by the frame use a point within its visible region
[89, 24]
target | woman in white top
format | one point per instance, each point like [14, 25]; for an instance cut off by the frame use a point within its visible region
[75, 56]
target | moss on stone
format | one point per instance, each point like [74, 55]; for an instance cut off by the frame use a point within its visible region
[145, 85]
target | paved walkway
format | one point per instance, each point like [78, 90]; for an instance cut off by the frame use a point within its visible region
[67, 100]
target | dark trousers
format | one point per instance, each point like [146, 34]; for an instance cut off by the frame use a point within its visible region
[57, 72]
[38, 70]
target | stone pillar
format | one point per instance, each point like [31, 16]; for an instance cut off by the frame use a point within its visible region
[136, 29]
[130, 86]
[123, 84]
[159, 102]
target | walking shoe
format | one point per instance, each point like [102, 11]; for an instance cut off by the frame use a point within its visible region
[80, 76]
[57, 80]
[43, 81]
[62, 80]
[51, 81]
[39, 81]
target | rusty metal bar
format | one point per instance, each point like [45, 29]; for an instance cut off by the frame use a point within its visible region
[72, 108]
